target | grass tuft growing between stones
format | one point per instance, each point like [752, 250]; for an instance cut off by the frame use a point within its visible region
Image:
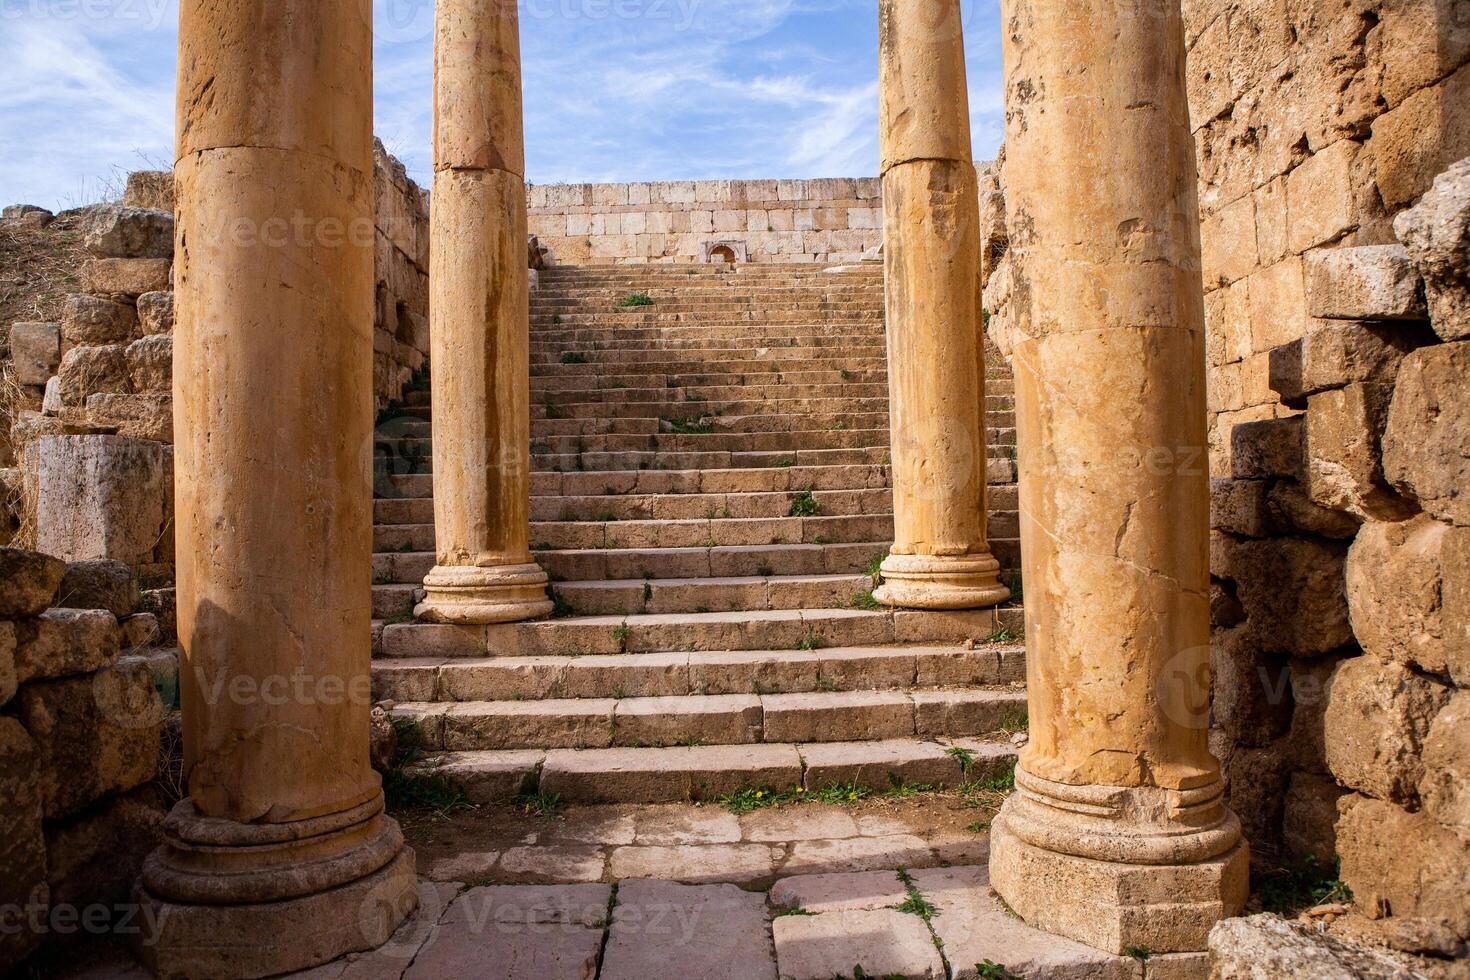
[541, 804]
[916, 903]
[1295, 888]
[635, 299]
[805, 504]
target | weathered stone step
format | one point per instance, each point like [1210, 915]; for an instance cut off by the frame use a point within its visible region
[712, 481]
[599, 564]
[558, 329]
[653, 675]
[656, 362]
[778, 629]
[621, 408]
[659, 507]
[561, 535]
[707, 772]
[613, 382]
[712, 719]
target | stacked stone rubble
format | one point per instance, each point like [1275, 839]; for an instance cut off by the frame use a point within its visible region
[80, 723]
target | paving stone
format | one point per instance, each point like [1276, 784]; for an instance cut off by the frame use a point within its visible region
[839, 892]
[883, 942]
[857, 854]
[516, 934]
[975, 928]
[717, 930]
[468, 866]
[581, 826]
[741, 864]
[556, 864]
[389, 961]
[685, 825]
[792, 823]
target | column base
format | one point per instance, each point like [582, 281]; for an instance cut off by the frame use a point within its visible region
[1120, 868]
[234, 901]
[471, 595]
[941, 582]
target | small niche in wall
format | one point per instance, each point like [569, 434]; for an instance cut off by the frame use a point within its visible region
[726, 253]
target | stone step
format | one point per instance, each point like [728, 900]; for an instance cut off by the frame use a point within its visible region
[644, 507]
[657, 362]
[601, 564]
[712, 481]
[558, 329]
[625, 408]
[700, 532]
[777, 629]
[613, 382]
[656, 675]
[712, 719]
[707, 772]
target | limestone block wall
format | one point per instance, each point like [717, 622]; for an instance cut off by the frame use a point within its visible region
[1338, 421]
[81, 725]
[825, 220]
[106, 367]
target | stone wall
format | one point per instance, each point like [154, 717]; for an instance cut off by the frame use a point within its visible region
[81, 728]
[1339, 421]
[828, 220]
[106, 368]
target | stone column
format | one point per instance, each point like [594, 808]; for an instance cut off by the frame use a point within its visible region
[1117, 834]
[479, 325]
[281, 857]
[936, 358]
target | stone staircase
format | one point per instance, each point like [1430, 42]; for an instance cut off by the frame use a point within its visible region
[710, 498]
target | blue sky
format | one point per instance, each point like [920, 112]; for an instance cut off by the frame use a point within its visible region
[615, 90]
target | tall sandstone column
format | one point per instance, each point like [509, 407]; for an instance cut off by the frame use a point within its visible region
[281, 857]
[1117, 834]
[479, 325]
[936, 359]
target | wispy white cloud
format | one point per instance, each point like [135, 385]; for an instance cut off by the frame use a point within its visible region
[614, 89]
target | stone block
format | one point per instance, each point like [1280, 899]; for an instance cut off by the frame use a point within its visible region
[1293, 512]
[108, 585]
[28, 582]
[1320, 205]
[156, 313]
[1344, 465]
[1267, 448]
[103, 497]
[882, 942]
[22, 846]
[1227, 322]
[86, 371]
[1293, 594]
[732, 941]
[1239, 507]
[121, 232]
[1277, 299]
[1268, 945]
[1376, 720]
[1272, 226]
[1428, 430]
[94, 735]
[1228, 240]
[151, 189]
[1252, 691]
[1403, 864]
[1397, 574]
[1309, 823]
[1369, 282]
[1256, 781]
[1415, 141]
[65, 643]
[146, 415]
[97, 320]
[35, 352]
[1444, 789]
[125, 277]
[150, 363]
[1436, 234]
[1337, 354]
[96, 857]
[9, 680]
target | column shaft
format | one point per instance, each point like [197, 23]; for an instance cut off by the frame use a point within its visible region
[268, 863]
[479, 325]
[936, 360]
[1116, 788]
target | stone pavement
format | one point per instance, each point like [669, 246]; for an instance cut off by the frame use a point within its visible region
[806, 892]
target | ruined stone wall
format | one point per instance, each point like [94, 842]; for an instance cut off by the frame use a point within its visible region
[1339, 420]
[106, 367]
[81, 731]
[828, 220]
